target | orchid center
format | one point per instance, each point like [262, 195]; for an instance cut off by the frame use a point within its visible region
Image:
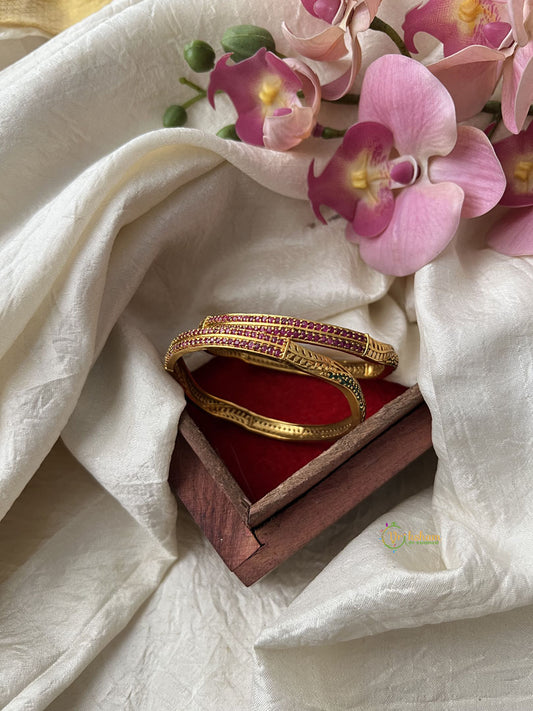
[370, 176]
[523, 173]
[359, 179]
[269, 90]
[469, 10]
[367, 176]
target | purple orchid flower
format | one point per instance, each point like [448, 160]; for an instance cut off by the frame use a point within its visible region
[487, 38]
[266, 92]
[338, 41]
[405, 174]
[513, 234]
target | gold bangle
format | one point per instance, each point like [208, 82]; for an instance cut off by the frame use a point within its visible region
[378, 359]
[274, 342]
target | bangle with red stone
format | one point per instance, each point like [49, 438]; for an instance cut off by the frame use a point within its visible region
[274, 342]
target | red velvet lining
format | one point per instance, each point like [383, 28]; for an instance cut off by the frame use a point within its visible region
[258, 463]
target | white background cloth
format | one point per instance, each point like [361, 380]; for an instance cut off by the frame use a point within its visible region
[115, 235]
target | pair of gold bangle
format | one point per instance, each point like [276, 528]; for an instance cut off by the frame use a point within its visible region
[275, 342]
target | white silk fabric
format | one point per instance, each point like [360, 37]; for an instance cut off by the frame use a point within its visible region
[116, 234]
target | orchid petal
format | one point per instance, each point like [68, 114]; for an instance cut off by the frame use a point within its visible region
[516, 16]
[364, 142]
[281, 67]
[326, 9]
[310, 83]
[473, 166]
[323, 9]
[403, 171]
[517, 88]
[516, 157]
[360, 19]
[513, 234]
[288, 127]
[497, 33]
[327, 46]
[403, 95]
[442, 19]
[371, 218]
[221, 79]
[425, 220]
[373, 7]
[341, 85]
[483, 65]
[432, 18]
[309, 6]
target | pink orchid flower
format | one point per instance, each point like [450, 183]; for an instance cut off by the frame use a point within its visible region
[513, 234]
[266, 92]
[486, 39]
[405, 174]
[339, 41]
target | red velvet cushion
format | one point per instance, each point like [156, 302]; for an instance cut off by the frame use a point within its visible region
[259, 463]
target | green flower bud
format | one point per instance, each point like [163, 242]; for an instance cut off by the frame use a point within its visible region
[199, 55]
[328, 132]
[229, 133]
[243, 41]
[175, 115]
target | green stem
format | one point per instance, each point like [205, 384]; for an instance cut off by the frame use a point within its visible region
[492, 107]
[492, 131]
[381, 26]
[497, 118]
[194, 99]
[495, 108]
[349, 99]
[188, 82]
[328, 132]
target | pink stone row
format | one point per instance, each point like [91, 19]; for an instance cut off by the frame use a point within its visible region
[290, 321]
[200, 339]
[267, 335]
[297, 329]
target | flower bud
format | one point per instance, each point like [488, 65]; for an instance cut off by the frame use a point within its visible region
[328, 132]
[243, 41]
[229, 133]
[199, 55]
[175, 115]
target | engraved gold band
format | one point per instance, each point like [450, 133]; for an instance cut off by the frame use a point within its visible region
[275, 342]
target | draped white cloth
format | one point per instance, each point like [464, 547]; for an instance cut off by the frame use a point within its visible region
[115, 235]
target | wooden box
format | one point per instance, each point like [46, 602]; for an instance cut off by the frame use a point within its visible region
[254, 538]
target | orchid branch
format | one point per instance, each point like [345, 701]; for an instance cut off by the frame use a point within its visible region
[381, 26]
[192, 85]
[347, 99]
[194, 99]
[328, 132]
[495, 107]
